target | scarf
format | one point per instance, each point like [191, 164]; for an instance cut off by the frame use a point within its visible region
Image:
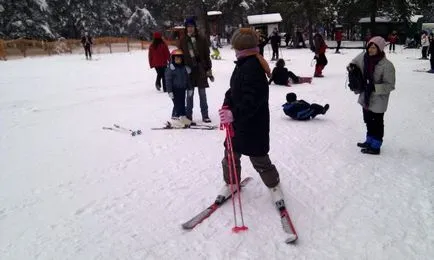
[369, 68]
[251, 52]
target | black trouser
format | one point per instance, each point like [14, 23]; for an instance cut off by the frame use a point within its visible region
[87, 51]
[160, 76]
[424, 51]
[392, 47]
[275, 49]
[374, 124]
[338, 46]
[316, 109]
[293, 77]
[178, 102]
[262, 165]
[431, 60]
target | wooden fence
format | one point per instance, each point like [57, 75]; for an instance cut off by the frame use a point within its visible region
[24, 47]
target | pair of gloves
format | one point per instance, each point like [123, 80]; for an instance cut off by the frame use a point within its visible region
[189, 93]
[226, 116]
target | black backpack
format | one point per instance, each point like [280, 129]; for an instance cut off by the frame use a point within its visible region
[355, 79]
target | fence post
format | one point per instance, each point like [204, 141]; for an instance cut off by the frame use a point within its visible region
[2, 50]
[128, 44]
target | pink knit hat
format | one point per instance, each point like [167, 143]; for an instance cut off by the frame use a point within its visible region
[379, 41]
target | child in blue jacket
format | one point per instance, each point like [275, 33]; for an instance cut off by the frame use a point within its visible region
[177, 84]
[300, 109]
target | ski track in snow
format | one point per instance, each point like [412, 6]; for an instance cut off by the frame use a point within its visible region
[70, 190]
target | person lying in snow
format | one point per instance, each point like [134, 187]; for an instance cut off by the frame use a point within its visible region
[300, 109]
[282, 76]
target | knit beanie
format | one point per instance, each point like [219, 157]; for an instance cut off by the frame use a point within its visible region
[157, 35]
[190, 22]
[378, 41]
[244, 38]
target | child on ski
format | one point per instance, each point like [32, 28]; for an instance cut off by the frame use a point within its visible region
[245, 108]
[301, 110]
[177, 83]
[215, 48]
[319, 48]
[282, 76]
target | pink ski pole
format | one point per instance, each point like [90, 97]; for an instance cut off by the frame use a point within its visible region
[233, 176]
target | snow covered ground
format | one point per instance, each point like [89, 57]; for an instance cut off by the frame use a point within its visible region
[70, 190]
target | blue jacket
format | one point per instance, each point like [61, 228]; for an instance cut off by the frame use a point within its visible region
[298, 110]
[177, 77]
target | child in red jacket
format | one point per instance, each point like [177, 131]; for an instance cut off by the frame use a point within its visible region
[158, 58]
[319, 48]
[393, 39]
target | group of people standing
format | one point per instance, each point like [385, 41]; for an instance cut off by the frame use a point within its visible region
[191, 57]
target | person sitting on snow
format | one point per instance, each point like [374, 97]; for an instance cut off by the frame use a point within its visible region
[283, 76]
[300, 109]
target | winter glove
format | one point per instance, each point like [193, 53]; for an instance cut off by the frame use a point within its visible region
[226, 116]
[190, 92]
[171, 95]
[209, 75]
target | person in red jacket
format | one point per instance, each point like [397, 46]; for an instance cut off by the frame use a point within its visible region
[393, 38]
[319, 48]
[338, 39]
[158, 58]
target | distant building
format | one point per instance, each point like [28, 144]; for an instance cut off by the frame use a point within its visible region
[265, 22]
[384, 25]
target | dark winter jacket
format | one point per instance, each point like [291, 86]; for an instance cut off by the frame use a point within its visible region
[280, 76]
[159, 55]
[86, 41]
[275, 39]
[177, 76]
[247, 98]
[298, 110]
[200, 62]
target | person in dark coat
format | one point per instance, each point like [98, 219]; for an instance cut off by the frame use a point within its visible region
[275, 43]
[431, 51]
[319, 48]
[86, 42]
[262, 41]
[393, 39]
[158, 57]
[283, 76]
[197, 57]
[302, 110]
[338, 39]
[245, 107]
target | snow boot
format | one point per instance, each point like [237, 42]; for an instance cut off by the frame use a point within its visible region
[366, 143]
[373, 148]
[326, 108]
[277, 197]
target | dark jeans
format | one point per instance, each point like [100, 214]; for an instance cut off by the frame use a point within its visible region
[160, 76]
[392, 47]
[275, 49]
[338, 45]
[262, 165]
[425, 52]
[87, 51]
[178, 102]
[203, 104]
[374, 124]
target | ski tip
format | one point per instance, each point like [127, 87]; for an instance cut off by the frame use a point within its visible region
[291, 239]
[238, 229]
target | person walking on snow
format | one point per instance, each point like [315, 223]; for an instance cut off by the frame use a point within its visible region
[301, 110]
[338, 39]
[246, 107]
[282, 76]
[197, 57]
[86, 42]
[393, 39]
[177, 83]
[158, 57]
[431, 50]
[319, 48]
[379, 81]
[425, 44]
[275, 43]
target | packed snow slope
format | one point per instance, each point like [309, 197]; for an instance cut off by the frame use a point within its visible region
[71, 190]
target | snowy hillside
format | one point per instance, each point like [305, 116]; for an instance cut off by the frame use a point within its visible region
[71, 190]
